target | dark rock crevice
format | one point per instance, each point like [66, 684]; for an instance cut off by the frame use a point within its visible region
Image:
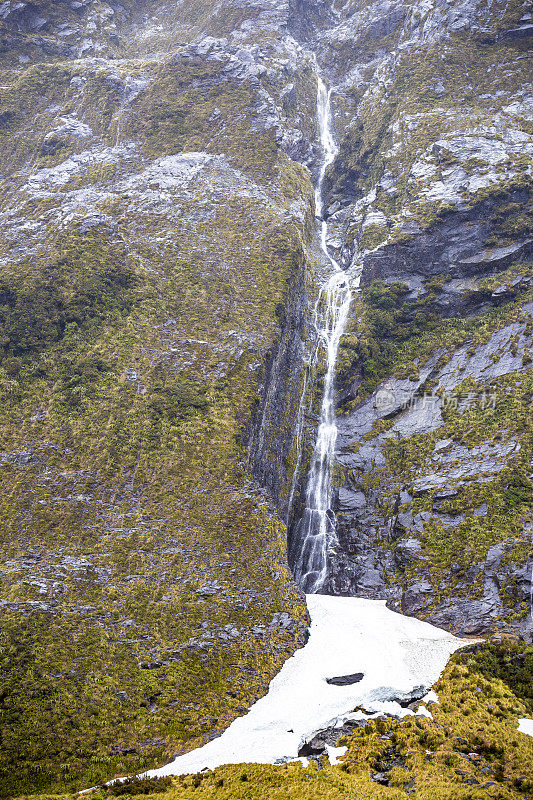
[270, 435]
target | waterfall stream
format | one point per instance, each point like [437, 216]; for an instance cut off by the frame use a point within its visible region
[395, 655]
[315, 535]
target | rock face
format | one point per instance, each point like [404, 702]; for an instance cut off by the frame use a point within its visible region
[156, 260]
[159, 267]
[430, 201]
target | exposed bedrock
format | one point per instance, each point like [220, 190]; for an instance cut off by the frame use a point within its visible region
[433, 459]
[272, 429]
[430, 195]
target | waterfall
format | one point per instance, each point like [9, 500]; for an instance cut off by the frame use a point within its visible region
[315, 534]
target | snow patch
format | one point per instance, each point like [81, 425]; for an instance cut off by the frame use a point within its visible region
[526, 726]
[397, 655]
[335, 754]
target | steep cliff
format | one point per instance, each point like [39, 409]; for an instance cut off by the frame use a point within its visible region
[158, 270]
[430, 201]
[152, 230]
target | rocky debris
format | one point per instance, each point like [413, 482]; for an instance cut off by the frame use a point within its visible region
[316, 747]
[380, 777]
[29, 458]
[346, 680]
[23, 16]
[209, 589]
[387, 761]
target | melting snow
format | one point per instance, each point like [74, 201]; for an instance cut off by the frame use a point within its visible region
[397, 654]
[526, 726]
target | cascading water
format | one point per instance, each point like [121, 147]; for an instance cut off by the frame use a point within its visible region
[315, 534]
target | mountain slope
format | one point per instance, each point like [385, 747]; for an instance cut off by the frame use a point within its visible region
[430, 201]
[159, 267]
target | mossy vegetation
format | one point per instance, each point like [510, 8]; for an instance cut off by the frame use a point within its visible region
[135, 469]
[143, 574]
[405, 113]
[137, 786]
[84, 278]
[194, 106]
[470, 750]
[393, 334]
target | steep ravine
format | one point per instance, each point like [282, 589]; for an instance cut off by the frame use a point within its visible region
[429, 200]
[175, 384]
[314, 535]
[360, 657]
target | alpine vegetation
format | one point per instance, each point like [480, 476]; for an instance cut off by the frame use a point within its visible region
[266, 295]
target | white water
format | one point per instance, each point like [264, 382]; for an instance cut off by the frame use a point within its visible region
[397, 654]
[315, 535]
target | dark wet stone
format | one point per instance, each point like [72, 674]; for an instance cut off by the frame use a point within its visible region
[346, 680]
[316, 747]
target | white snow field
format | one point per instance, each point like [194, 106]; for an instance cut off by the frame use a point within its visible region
[396, 654]
[526, 726]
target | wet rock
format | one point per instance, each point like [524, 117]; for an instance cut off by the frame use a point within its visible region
[346, 680]
[269, 439]
[407, 551]
[380, 777]
[416, 597]
[315, 747]
[523, 32]
[351, 500]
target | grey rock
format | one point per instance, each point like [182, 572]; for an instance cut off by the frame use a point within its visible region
[209, 589]
[346, 680]
[404, 521]
[407, 551]
[500, 257]
[351, 500]
[380, 777]
[416, 597]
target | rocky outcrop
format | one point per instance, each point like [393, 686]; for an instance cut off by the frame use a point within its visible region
[272, 432]
[430, 202]
[432, 505]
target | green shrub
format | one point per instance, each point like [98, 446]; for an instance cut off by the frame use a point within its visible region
[138, 786]
[85, 277]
